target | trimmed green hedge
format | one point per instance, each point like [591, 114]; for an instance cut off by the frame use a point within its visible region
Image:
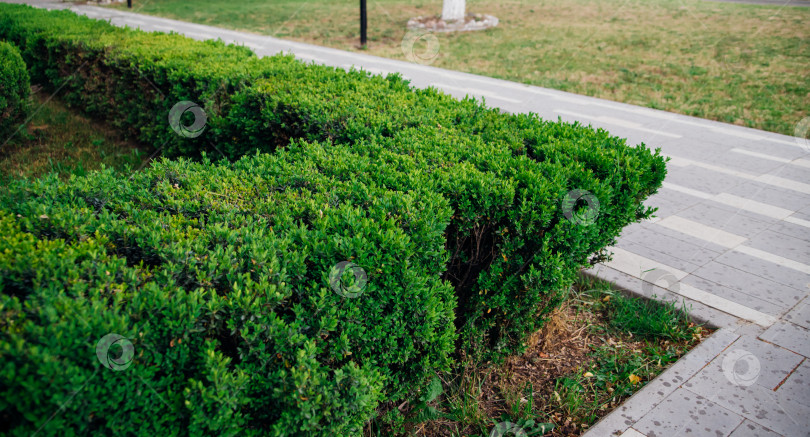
[15, 89]
[512, 251]
[521, 256]
[219, 275]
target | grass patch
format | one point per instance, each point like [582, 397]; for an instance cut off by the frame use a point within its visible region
[58, 140]
[596, 351]
[740, 64]
[647, 319]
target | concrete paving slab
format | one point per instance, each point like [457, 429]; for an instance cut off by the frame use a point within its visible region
[799, 174]
[783, 198]
[752, 429]
[705, 180]
[796, 387]
[803, 213]
[734, 295]
[789, 336]
[755, 403]
[687, 414]
[699, 150]
[757, 286]
[800, 314]
[726, 218]
[792, 229]
[748, 361]
[692, 252]
[794, 284]
[749, 163]
[694, 241]
[796, 159]
[670, 203]
[789, 247]
[655, 255]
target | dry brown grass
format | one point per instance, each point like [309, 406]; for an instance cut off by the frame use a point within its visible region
[575, 342]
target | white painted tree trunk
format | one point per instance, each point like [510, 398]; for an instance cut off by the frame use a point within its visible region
[453, 10]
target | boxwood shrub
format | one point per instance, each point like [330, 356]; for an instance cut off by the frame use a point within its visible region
[513, 248]
[15, 89]
[217, 280]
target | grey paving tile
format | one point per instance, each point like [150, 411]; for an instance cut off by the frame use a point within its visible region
[782, 245]
[770, 410]
[696, 254]
[670, 202]
[774, 149]
[755, 402]
[655, 255]
[789, 336]
[794, 173]
[793, 230]
[726, 218]
[750, 164]
[759, 217]
[708, 140]
[734, 295]
[800, 314]
[771, 195]
[684, 413]
[803, 213]
[741, 280]
[797, 283]
[664, 207]
[702, 151]
[632, 229]
[748, 361]
[749, 329]
[661, 231]
[752, 429]
[796, 387]
[699, 178]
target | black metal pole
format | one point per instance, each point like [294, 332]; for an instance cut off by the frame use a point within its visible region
[129, 4]
[363, 23]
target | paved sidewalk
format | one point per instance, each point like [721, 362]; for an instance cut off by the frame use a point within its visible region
[731, 240]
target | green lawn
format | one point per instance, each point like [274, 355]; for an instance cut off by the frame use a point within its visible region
[741, 64]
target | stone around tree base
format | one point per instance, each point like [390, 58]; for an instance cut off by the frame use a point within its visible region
[470, 22]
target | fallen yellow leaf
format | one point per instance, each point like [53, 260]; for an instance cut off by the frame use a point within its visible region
[634, 379]
[587, 374]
